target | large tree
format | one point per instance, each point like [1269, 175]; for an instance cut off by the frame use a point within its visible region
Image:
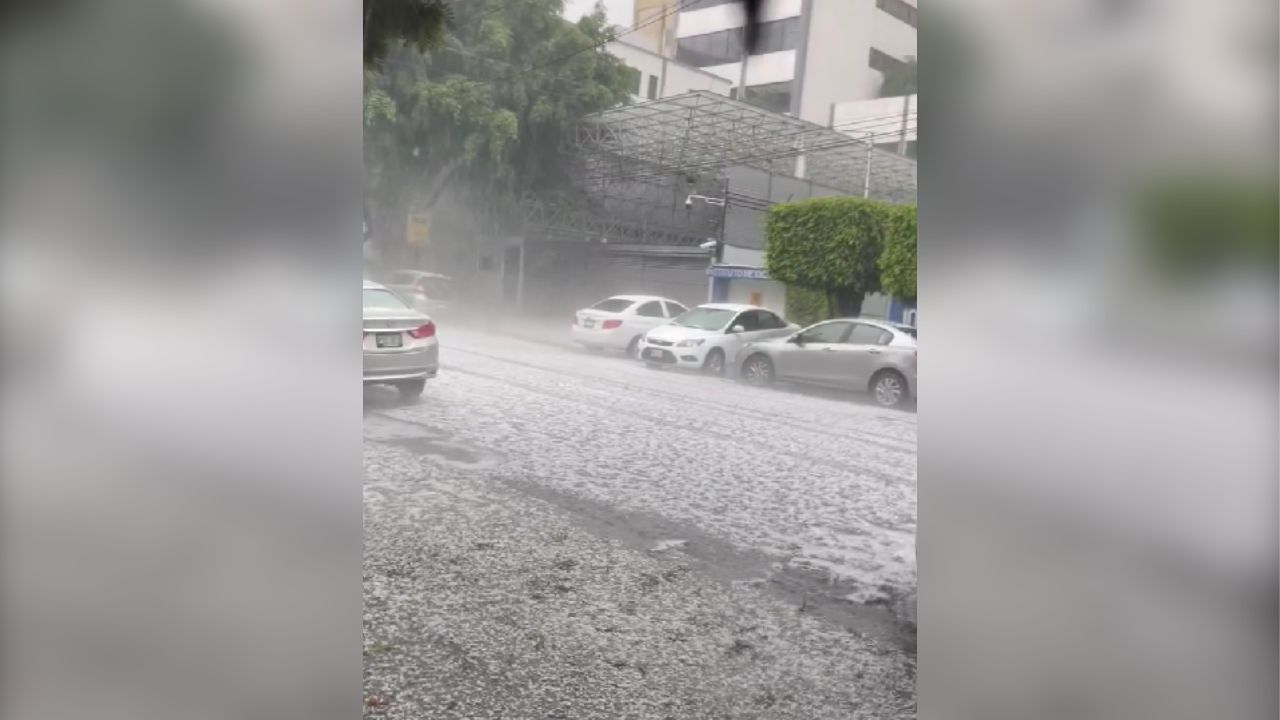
[483, 113]
[420, 23]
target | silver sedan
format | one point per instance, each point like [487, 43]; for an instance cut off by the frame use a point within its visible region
[849, 353]
[400, 345]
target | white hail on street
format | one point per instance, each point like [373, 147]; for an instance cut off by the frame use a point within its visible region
[618, 322]
[709, 337]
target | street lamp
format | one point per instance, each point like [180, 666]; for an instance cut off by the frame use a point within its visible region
[723, 204]
[716, 244]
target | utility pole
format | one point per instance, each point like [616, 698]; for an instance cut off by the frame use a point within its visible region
[902, 138]
[724, 216]
[717, 250]
[866, 181]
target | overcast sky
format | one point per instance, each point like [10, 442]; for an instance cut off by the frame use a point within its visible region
[619, 10]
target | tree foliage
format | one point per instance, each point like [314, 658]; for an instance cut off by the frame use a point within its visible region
[1212, 223]
[898, 259]
[828, 244]
[806, 307]
[486, 109]
[419, 23]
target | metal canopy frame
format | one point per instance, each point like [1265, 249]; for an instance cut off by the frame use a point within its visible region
[633, 166]
[702, 132]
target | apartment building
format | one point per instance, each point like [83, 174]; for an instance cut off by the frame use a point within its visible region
[813, 54]
[655, 75]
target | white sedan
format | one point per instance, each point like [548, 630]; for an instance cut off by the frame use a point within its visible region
[709, 336]
[618, 323]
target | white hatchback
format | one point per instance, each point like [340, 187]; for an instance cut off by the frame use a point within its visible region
[618, 323]
[709, 336]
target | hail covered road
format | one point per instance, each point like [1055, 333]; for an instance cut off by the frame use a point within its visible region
[555, 534]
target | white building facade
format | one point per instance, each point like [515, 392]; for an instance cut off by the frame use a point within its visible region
[890, 122]
[812, 54]
[657, 76]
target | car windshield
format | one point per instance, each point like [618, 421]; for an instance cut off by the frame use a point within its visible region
[613, 305]
[705, 318]
[384, 300]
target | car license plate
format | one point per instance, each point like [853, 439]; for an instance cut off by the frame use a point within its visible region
[588, 323]
[653, 353]
[389, 340]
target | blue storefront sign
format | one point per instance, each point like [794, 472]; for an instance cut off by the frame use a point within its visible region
[737, 272]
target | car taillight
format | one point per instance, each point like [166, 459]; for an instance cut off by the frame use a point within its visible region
[423, 331]
[610, 324]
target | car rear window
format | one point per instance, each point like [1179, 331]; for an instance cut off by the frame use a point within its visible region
[613, 305]
[384, 300]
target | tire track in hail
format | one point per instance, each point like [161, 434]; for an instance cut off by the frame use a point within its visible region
[865, 471]
[885, 440]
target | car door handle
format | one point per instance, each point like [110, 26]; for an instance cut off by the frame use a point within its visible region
[828, 349]
[874, 351]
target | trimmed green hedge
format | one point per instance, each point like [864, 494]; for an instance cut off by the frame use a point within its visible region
[835, 251]
[898, 260]
[1213, 223]
[806, 307]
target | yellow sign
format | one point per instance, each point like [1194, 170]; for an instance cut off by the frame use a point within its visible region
[419, 229]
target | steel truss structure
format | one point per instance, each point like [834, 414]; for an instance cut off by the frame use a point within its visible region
[635, 164]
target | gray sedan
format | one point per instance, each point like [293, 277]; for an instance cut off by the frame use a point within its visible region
[849, 353]
[400, 346]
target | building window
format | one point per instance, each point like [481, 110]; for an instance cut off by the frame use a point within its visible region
[653, 87]
[717, 48]
[635, 79]
[773, 96]
[905, 12]
[699, 4]
[883, 61]
[725, 46]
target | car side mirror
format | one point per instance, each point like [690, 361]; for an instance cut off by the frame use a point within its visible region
[737, 329]
[798, 339]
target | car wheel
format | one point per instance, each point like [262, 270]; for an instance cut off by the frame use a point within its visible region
[410, 389]
[758, 370]
[889, 388]
[714, 364]
[633, 347]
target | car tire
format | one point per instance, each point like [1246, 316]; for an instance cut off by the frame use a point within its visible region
[714, 362]
[888, 388]
[633, 348]
[410, 389]
[758, 370]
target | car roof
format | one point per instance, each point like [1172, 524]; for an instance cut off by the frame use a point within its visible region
[421, 273]
[637, 298]
[730, 306]
[886, 324]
